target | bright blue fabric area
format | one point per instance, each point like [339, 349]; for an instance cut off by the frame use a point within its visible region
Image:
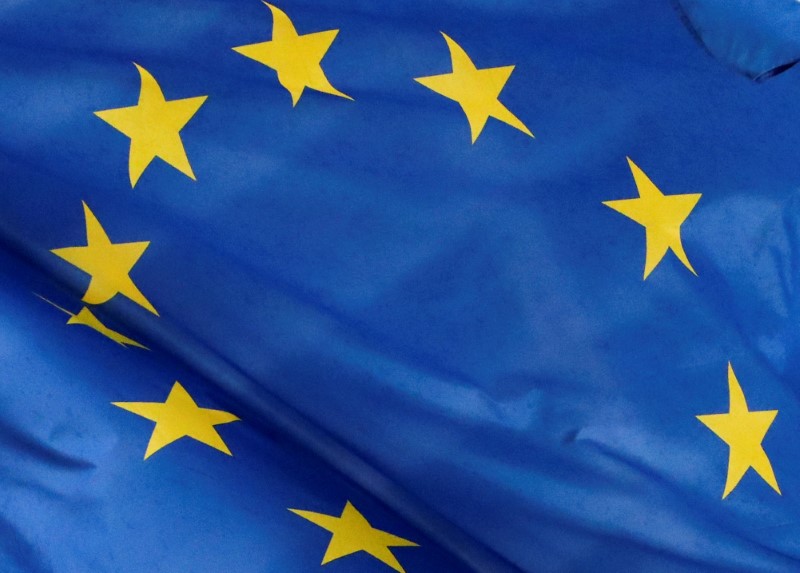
[77, 496]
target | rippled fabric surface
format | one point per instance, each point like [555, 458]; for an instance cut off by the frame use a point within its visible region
[456, 337]
[760, 38]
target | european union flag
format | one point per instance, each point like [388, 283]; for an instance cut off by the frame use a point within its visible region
[419, 287]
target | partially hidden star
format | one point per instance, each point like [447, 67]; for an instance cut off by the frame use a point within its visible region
[476, 90]
[179, 417]
[109, 264]
[351, 533]
[297, 58]
[661, 216]
[86, 317]
[743, 430]
[153, 126]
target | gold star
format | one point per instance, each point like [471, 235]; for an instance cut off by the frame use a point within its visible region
[475, 90]
[154, 126]
[661, 215]
[296, 57]
[180, 417]
[108, 263]
[87, 318]
[353, 533]
[743, 431]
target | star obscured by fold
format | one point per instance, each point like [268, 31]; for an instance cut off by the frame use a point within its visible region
[476, 90]
[295, 57]
[86, 317]
[109, 264]
[743, 430]
[661, 216]
[353, 533]
[180, 417]
[153, 126]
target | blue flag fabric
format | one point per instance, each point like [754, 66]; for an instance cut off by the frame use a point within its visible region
[760, 38]
[386, 327]
[78, 497]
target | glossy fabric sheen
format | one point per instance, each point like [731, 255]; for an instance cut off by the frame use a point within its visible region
[456, 337]
[760, 38]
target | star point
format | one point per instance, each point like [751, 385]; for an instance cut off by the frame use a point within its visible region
[743, 430]
[351, 533]
[179, 417]
[153, 126]
[87, 318]
[661, 216]
[476, 90]
[295, 57]
[109, 264]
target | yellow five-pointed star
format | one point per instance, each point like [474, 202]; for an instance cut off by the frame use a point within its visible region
[353, 533]
[108, 263]
[180, 417]
[296, 57]
[743, 431]
[86, 317]
[661, 215]
[477, 91]
[154, 126]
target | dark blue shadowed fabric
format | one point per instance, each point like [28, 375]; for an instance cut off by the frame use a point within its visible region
[760, 38]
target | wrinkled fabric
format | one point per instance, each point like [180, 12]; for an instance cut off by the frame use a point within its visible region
[459, 332]
[760, 38]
